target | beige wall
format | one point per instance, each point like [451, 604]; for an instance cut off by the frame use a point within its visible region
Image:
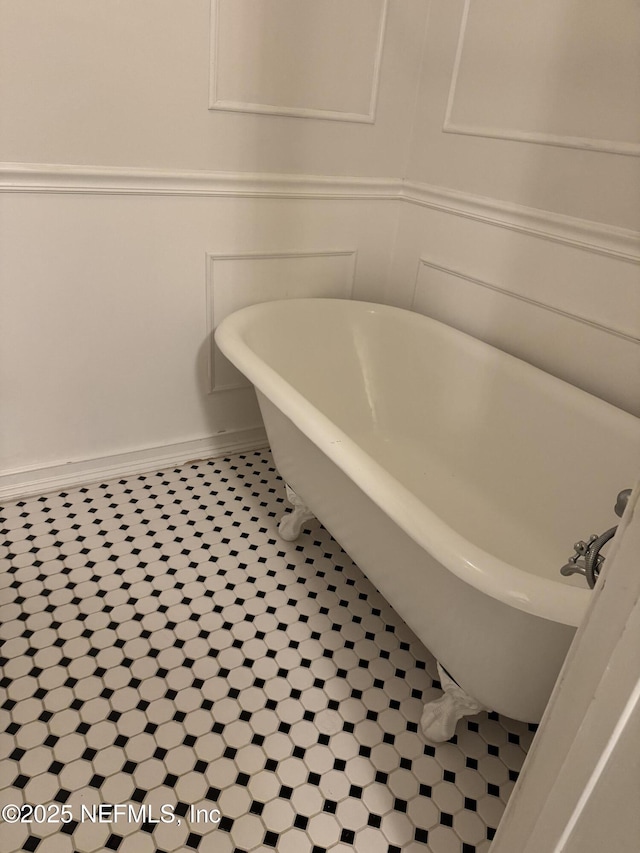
[112, 82]
[107, 306]
[527, 91]
[108, 287]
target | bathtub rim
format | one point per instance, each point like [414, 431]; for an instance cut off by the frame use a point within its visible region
[538, 596]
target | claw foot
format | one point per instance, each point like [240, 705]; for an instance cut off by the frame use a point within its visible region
[291, 522]
[440, 717]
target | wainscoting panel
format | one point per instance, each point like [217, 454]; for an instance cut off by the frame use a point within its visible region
[126, 332]
[583, 352]
[235, 281]
[335, 47]
[566, 73]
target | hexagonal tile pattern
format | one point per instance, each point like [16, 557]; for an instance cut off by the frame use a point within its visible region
[176, 677]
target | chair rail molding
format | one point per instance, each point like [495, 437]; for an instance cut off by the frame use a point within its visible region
[611, 240]
[119, 180]
[115, 180]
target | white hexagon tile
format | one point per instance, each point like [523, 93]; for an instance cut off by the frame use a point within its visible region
[176, 678]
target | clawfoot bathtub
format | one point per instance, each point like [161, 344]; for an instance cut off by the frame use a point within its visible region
[457, 477]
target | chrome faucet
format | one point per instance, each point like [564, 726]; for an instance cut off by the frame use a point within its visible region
[587, 559]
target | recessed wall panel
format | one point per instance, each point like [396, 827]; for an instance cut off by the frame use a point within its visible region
[297, 57]
[565, 345]
[560, 72]
[235, 281]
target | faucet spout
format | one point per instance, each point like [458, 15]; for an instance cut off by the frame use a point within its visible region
[621, 501]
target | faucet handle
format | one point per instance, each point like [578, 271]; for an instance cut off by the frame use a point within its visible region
[621, 502]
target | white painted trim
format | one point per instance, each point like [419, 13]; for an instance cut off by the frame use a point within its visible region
[216, 103]
[607, 146]
[40, 480]
[117, 180]
[212, 257]
[598, 770]
[621, 243]
[610, 330]
[582, 234]
[291, 112]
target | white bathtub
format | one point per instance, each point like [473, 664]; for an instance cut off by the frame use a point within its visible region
[457, 477]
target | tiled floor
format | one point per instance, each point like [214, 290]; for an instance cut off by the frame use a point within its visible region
[163, 649]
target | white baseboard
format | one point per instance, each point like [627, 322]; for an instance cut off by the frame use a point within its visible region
[15, 485]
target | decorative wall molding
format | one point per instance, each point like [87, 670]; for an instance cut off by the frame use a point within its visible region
[40, 480]
[113, 180]
[116, 180]
[503, 291]
[22, 178]
[631, 149]
[585, 352]
[302, 274]
[238, 105]
[608, 146]
[583, 234]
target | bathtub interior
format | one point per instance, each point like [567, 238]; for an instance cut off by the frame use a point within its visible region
[517, 462]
